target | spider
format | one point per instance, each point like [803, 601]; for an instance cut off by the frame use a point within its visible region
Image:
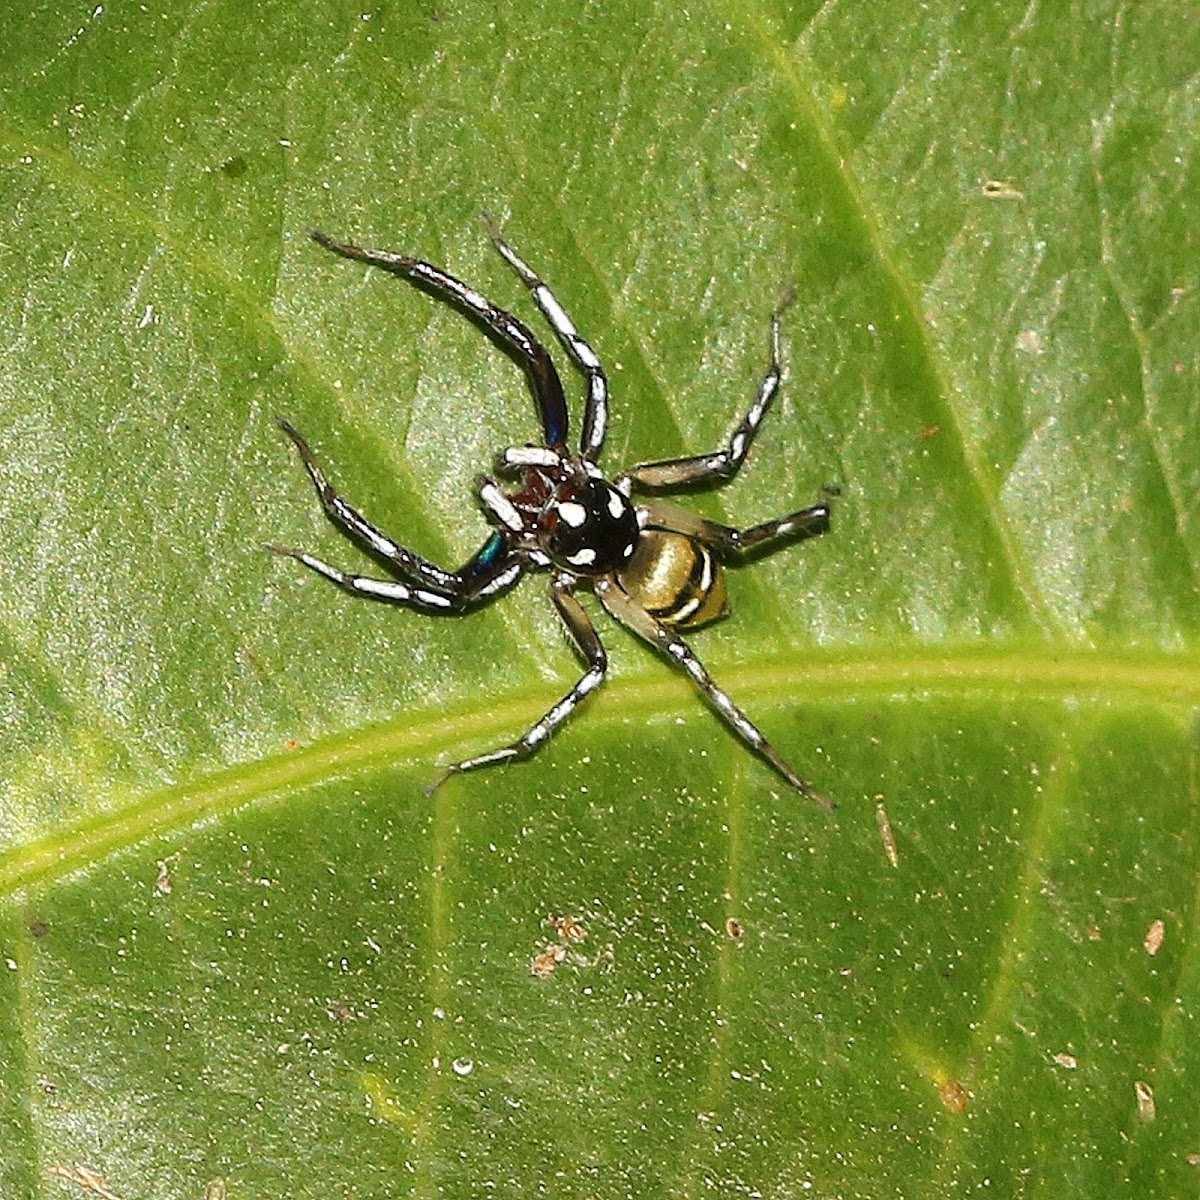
[655, 567]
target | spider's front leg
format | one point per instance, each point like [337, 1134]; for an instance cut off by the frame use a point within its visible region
[595, 417]
[724, 464]
[668, 643]
[588, 643]
[513, 334]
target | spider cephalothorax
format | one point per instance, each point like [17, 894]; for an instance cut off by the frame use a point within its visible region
[655, 567]
[588, 528]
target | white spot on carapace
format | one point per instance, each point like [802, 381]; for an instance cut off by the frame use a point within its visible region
[582, 558]
[616, 503]
[572, 514]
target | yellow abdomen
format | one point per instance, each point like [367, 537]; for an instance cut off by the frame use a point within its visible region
[675, 579]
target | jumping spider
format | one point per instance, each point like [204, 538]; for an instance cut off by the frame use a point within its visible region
[654, 566]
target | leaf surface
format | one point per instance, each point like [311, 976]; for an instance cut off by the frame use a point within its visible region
[244, 950]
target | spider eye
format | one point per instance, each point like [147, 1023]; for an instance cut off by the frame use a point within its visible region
[589, 528]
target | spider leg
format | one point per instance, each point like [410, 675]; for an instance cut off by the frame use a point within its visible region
[498, 504]
[488, 571]
[352, 523]
[587, 642]
[481, 575]
[493, 568]
[672, 646]
[595, 419]
[514, 335]
[797, 527]
[514, 458]
[721, 464]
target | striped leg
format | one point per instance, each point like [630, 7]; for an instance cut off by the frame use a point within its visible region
[672, 646]
[723, 464]
[587, 642]
[595, 418]
[514, 335]
[487, 571]
[502, 573]
[492, 496]
[798, 526]
[352, 523]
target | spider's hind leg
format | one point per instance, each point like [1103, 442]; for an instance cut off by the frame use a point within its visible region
[668, 643]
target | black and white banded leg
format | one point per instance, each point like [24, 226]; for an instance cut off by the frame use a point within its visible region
[490, 570]
[478, 580]
[798, 526]
[350, 521]
[587, 642]
[595, 417]
[722, 464]
[672, 646]
[427, 599]
[514, 335]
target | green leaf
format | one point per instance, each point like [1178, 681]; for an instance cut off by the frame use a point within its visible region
[243, 950]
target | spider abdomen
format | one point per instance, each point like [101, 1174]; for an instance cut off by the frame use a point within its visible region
[676, 579]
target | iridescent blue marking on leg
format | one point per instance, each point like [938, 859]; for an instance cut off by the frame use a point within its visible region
[484, 561]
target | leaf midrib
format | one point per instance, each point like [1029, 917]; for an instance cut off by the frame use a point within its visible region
[843, 677]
